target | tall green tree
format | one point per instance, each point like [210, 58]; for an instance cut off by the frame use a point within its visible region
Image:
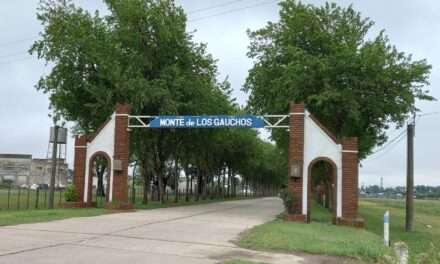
[140, 53]
[355, 82]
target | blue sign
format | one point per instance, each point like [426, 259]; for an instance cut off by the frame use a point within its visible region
[208, 121]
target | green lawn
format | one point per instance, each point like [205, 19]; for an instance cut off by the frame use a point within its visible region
[44, 215]
[13, 216]
[320, 237]
[426, 213]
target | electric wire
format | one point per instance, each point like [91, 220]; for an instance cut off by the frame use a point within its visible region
[17, 41]
[213, 7]
[233, 10]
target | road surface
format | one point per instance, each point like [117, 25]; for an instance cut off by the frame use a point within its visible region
[191, 234]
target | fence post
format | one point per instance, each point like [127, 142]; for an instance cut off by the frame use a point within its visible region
[9, 194]
[45, 198]
[18, 199]
[37, 199]
[386, 228]
[28, 197]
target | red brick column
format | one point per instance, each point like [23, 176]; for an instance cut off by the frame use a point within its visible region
[296, 155]
[350, 166]
[80, 165]
[122, 143]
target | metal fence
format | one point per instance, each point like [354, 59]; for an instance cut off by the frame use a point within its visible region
[17, 198]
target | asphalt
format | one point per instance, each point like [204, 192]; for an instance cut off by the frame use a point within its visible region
[190, 234]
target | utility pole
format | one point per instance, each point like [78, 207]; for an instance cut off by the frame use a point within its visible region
[410, 178]
[381, 183]
[54, 167]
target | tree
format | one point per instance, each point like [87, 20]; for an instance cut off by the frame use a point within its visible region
[356, 85]
[140, 54]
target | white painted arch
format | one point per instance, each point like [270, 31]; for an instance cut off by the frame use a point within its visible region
[318, 144]
[103, 142]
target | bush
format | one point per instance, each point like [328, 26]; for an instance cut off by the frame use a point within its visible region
[70, 194]
[288, 200]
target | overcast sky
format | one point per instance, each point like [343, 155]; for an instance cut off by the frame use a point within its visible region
[411, 25]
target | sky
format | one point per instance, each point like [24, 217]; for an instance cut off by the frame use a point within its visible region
[410, 25]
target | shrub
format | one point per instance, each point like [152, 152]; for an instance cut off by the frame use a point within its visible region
[288, 200]
[70, 194]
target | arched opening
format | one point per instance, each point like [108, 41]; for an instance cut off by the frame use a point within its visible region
[99, 179]
[322, 191]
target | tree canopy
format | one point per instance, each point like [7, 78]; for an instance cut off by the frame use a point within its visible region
[355, 82]
[141, 54]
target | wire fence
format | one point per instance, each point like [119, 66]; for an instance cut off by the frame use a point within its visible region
[18, 198]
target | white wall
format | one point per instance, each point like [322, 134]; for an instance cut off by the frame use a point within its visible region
[318, 144]
[103, 142]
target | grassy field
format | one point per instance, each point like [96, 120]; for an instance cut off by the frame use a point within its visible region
[426, 222]
[44, 215]
[320, 237]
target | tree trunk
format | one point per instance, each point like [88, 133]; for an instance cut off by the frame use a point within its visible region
[146, 181]
[187, 182]
[176, 180]
[229, 183]
[100, 170]
[218, 192]
[199, 183]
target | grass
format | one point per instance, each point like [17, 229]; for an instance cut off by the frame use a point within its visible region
[13, 216]
[315, 238]
[44, 215]
[320, 237]
[427, 212]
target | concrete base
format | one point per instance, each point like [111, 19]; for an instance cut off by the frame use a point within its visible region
[119, 206]
[354, 222]
[73, 205]
[295, 218]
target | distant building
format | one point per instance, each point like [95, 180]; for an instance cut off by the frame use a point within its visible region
[21, 169]
[15, 168]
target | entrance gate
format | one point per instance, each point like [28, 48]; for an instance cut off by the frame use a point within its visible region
[309, 142]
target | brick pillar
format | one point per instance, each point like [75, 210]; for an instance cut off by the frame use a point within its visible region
[296, 156]
[350, 165]
[122, 143]
[80, 165]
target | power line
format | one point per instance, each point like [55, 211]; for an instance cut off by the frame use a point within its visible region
[389, 142]
[213, 7]
[12, 55]
[16, 60]
[17, 41]
[388, 147]
[393, 142]
[233, 10]
[428, 114]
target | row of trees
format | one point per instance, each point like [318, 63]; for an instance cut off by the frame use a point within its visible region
[420, 191]
[141, 54]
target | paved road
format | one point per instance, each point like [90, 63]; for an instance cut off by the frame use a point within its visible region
[192, 234]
